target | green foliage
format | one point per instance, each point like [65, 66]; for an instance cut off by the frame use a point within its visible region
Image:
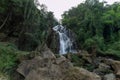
[89, 67]
[77, 61]
[18, 17]
[89, 43]
[113, 49]
[8, 57]
[95, 24]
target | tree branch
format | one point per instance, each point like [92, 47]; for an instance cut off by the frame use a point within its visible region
[4, 22]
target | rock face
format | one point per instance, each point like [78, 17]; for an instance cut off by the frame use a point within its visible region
[53, 41]
[48, 67]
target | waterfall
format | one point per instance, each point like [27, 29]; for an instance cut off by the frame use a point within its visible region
[66, 40]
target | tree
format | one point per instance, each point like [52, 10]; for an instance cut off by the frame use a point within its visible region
[23, 19]
[96, 21]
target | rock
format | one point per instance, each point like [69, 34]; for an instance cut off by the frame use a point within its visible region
[115, 65]
[56, 72]
[49, 73]
[53, 40]
[2, 36]
[47, 53]
[3, 77]
[103, 66]
[26, 66]
[89, 75]
[65, 66]
[77, 73]
[60, 59]
[117, 78]
[48, 67]
[102, 69]
[43, 69]
[86, 56]
[109, 77]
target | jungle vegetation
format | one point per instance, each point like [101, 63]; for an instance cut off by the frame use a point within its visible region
[96, 25]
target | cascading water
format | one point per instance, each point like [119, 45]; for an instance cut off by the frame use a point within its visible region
[66, 41]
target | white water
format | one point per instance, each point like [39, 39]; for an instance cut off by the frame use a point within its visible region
[66, 43]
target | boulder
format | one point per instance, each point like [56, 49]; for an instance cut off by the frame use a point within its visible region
[103, 69]
[103, 66]
[47, 67]
[48, 73]
[115, 65]
[86, 56]
[60, 59]
[48, 54]
[110, 76]
[45, 52]
[77, 73]
[2, 36]
[41, 68]
[3, 77]
[26, 66]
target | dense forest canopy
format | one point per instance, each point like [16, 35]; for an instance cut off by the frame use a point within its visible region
[95, 23]
[28, 22]
[21, 19]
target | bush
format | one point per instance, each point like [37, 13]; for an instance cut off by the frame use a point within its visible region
[111, 51]
[77, 61]
[8, 57]
[89, 43]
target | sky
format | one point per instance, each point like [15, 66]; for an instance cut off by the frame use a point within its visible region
[59, 6]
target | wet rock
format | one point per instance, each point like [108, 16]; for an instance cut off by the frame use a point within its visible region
[109, 77]
[53, 41]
